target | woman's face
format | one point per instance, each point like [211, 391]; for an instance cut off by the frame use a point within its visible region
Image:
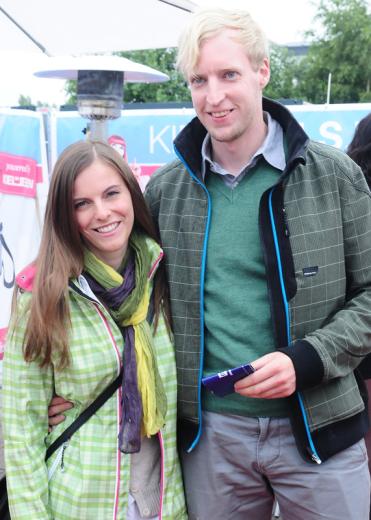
[104, 212]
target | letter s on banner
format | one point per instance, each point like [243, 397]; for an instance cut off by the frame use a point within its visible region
[325, 131]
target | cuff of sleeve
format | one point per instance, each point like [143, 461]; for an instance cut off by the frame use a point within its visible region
[307, 363]
[148, 501]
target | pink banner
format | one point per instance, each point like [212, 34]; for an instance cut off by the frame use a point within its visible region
[148, 169]
[19, 175]
[2, 342]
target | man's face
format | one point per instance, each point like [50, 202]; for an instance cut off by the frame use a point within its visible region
[226, 90]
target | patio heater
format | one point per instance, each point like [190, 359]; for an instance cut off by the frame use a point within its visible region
[100, 83]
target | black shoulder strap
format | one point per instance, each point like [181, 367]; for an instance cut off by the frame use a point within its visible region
[93, 407]
[84, 416]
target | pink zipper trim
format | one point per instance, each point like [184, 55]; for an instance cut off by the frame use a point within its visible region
[119, 417]
[155, 264]
[162, 473]
[119, 412]
[118, 459]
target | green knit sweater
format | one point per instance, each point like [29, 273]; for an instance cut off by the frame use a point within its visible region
[237, 315]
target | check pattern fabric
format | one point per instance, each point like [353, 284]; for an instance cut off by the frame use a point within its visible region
[179, 207]
[91, 478]
[329, 217]
[328, 210]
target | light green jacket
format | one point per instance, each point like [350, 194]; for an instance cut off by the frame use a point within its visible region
[88, 477]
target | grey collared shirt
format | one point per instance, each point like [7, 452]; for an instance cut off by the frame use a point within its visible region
[272, 150]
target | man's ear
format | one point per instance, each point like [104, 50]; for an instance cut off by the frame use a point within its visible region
[264, 73]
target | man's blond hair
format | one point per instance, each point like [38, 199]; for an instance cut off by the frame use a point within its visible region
[207, 23]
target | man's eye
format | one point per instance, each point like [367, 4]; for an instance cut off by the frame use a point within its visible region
[230, 74]
[196, 81]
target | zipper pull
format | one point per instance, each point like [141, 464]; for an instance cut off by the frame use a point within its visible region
[313, 455]
[315, 458]
[286, 227]
[64, 446]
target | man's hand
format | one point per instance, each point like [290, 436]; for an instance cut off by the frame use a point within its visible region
[57, 406]
[274, 377]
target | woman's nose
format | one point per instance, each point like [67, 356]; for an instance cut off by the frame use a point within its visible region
[102, 211]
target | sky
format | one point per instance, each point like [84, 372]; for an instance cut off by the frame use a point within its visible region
[17, 78]
[283, 22]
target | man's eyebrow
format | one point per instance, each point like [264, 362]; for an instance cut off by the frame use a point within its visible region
[231, 68]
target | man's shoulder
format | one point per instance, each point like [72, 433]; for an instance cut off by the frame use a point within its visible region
[167, 171]
[326, 160]
[321, 151]
[169, 174]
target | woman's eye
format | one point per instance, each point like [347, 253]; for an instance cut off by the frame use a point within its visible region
[80, 204]
[112, 193]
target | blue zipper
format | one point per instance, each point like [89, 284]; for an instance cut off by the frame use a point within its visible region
[314, 454]
[202, 285]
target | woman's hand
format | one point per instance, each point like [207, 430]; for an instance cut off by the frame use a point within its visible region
[57, 406]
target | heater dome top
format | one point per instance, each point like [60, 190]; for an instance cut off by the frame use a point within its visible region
[67, 67]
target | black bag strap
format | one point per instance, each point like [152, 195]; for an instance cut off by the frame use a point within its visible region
[84, 416]
[95, 405]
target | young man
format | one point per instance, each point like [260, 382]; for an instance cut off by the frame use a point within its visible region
[267, 237]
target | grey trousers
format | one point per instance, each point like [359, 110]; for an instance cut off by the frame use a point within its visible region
[241, 464]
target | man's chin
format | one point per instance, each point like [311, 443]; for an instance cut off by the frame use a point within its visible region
[224, 137]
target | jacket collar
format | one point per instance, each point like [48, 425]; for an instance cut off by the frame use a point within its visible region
[188, 142]
[26, 277]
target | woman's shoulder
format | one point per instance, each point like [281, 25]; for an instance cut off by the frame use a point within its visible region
[25, 279]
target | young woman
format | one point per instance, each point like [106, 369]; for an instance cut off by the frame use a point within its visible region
[94, 301]
[359, 150]
[360, 147]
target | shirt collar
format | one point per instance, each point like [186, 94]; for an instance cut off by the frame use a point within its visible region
[272, 150]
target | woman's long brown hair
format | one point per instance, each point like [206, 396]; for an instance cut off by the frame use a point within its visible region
[60, 255]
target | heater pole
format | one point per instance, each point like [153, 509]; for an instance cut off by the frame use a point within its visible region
[98, 130]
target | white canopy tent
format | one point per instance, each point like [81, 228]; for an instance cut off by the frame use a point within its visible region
[91, 26]
[31, 31]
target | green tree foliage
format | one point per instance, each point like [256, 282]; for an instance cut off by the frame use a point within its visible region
[24, 101]
[284, 69]
[341, 45]
[161, 59]
[70, 90]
